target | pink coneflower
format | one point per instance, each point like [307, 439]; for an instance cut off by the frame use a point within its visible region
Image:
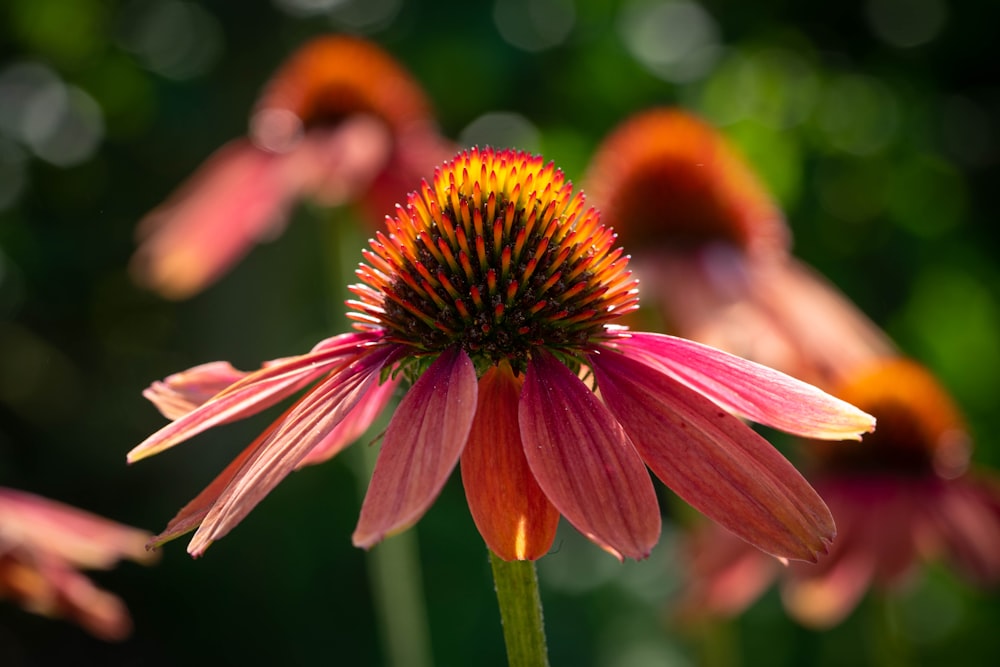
[902, 498]
[44, 544]
[492, 294]
[712, 249]
[340, 122]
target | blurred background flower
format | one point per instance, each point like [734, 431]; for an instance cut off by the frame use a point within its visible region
[45, 545]
[871, 122]
[340, 122]
[902, 498]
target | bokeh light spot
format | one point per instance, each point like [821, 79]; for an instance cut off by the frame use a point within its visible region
[63, 125]
[179, 40]
[502, 129]
[858, 114]
[58, 123]
[776, 157]
[906, 23]
[773, 86]
[927, 196]
[675, 40]
[306, 8]
[534, 25]
[13, 177]
[955, 323]
[364, 16]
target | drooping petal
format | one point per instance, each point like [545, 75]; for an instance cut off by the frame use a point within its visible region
[964, 517]
[69, 533]
[727, 574]
[236, 197]
[750, 390]
[831, 336]
[822, 595]
[584, 461]
[43, 543]
[255, 392]
[714, 461]
[191, 515]
[512, 514]
[354, 424]
[49, 586]
[180, 393]
[422, 445]
[305, 425]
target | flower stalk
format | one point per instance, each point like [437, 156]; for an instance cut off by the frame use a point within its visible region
[520, 611]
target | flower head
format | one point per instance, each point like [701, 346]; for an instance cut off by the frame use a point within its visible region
[340, 122]
[667, 178]
[712, 249]
[492, 293]
[44, 544]
[903, 498]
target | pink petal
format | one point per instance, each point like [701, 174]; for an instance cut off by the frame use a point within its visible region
[255, 392]
[235, 198]
[336, 165]
[180, 393]
[511, 512]
[714, 461]
[49, 586]
[68, 533]
[750, 390]
[584, 462]
[354, 425]
[422, 445]
[965, 514]
[191, 515]
[822, 595]
[306, 424]
[726, 573]
[830, 334]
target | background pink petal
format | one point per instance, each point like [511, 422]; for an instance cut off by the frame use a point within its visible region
[233, 200]
[750, 390]
[584, 462]
[714, 461]
[727, 574]
[964, 515]
[422, 445]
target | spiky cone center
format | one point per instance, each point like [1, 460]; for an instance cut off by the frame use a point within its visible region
[920, 430]
[496, 255]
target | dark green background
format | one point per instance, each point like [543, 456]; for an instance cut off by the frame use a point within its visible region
[905, 228]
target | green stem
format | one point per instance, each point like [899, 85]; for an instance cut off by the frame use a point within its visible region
[520, 612]
[397, 592]
[394, 565]
[886, 645]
